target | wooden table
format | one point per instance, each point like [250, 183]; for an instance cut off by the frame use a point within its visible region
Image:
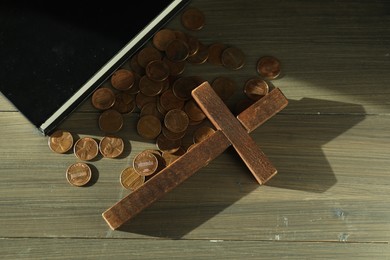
[331, 146]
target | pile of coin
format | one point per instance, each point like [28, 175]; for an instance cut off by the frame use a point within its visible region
[153, 85]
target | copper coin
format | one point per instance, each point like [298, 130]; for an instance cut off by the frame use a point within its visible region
[183, 86]
[148, 54]
[233, 58]
[111, 121]
[78, 174]
[162, 38]
[145, 163]
[201, 56]
[169, 101]
[141, 99]
[192, 19]
[167, 145]
[124, 102]
[130, 179]
[122, 79]
[224, 87]
[157, 70]
[202, 133]
[268, 67]
[111, 146]
[193, 111]
[175, 67]
[135, 88]
[149, 127]
[150, 87]
[86, 148]
[215, 53]
[171, 157]
[176, 120]
[60, 141]
[151, 109]
[134, 65]
[177, 50]
[171, 135]
[193, 45]
[103, 98]
[256, 88]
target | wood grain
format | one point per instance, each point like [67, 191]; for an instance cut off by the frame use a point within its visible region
[331, 146]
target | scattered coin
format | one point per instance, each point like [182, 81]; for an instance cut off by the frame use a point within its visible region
[224, 86]
[167, 145]
[110, 121]
[148, 54]
[149, 127]
[215, 53]
[111, 146]
[150, 87]
[122, 79]
[193, 19]
[124, 102]
[177, 50]
[145, 163]
[162, 38]
[256, 88]
[60, 141]
[78, 174]
[233, 58]
[157, 70]
[176, 120]
[268, 67]
[130, 179]
[193, 111]
[200, 56]
[103, 98]
[86, 148]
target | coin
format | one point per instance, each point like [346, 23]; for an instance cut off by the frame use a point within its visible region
[175, 67]
[134, 65]
[200, 56]
[171, 157]
[78, 174]
[215, 53]
[151, 109]
[60, 141]
[171, 135]
[169, 101]
[124, 102]
[122, 79]
[110, 121]
[86, 148]
[176, 120]
[103, 98]
[256, 88]
[162, 38]
[148, 54]
[167, 145]
[224, 87]
[157, 70]
[177, 50]
[183, 86]
[268, 67]
[193, 111]
[111, 146]
[141, 99]
[233, 58]
[149, 127]
[145, 163]
[192, 19]
[131, 179]
[150, 87]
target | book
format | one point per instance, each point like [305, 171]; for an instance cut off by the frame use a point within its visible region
[53, 55]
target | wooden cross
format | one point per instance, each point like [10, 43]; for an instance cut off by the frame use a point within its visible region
[230, 131]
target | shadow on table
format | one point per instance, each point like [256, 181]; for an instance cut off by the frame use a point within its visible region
[292, 141]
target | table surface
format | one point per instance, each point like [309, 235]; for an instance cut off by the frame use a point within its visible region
[331, 146]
